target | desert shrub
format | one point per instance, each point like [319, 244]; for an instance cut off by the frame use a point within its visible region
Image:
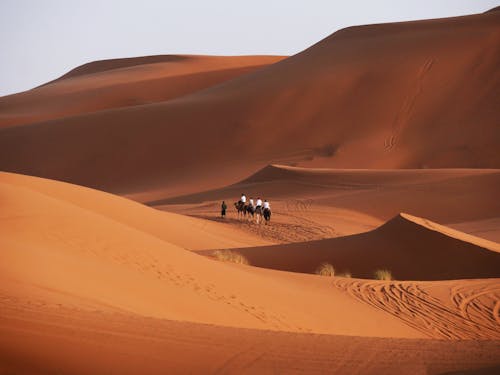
[383, 274]
[230, 256]
[325, 269]
[346, 274]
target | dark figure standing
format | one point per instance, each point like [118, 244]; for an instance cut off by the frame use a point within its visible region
[223, 209]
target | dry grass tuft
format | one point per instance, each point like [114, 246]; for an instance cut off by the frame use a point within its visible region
[230, 256]
[383, 275]
[325, 269]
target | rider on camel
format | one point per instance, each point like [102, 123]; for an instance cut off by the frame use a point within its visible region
[267, 211]
[259, 203]
[267, 205]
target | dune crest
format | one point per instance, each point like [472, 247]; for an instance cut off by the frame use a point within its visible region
[411, 248]
[490, 245]
[112, 64]
[120, 83]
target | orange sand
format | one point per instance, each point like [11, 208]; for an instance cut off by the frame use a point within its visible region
[91, 282]
[78, 273]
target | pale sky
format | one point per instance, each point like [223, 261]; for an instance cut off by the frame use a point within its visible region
[42, 39]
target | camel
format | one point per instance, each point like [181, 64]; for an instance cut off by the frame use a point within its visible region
[241, 209]
[250, 210]
[258, 214]
[267, 215]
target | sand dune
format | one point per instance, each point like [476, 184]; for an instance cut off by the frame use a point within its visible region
[370, 122]
[75, 254]
[411, 248]
[314, 203]
[85, 274]
[119, 83]
[163, 225]
[404, 95]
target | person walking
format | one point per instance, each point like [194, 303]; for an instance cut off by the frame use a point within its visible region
[223, 209]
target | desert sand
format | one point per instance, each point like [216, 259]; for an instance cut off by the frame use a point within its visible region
[377, 148]
[76, 269]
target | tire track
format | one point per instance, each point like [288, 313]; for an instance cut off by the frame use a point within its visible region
[472, 315]
[480, 305]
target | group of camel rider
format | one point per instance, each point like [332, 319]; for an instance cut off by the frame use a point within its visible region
[258, 204]
[253, 207]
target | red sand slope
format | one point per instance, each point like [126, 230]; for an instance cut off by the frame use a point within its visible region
[411, 248]
[411, 95]
[121, 83]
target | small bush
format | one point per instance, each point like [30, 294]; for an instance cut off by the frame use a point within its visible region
[383, 275]
[346, 274]
[325, 269]
[230, 256]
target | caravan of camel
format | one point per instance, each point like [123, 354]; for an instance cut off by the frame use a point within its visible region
[259, 210]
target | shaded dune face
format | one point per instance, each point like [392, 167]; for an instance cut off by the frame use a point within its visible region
[411, 248]
[121, 83]
[417, 94]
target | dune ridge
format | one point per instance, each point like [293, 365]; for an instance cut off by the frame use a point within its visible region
[411, 248]
[120, 83]
[490, 245]
[111, 64]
